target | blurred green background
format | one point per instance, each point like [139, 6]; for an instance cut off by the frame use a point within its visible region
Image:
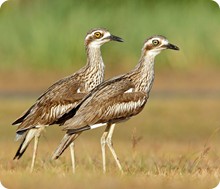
[49, 34]
[42, 41]
[176, 136]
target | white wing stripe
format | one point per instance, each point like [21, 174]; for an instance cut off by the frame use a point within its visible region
[57, 111]
[97, 125]
[129, 90]
[124, 107]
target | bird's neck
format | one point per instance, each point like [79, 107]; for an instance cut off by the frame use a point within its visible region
[143, 74]
[94, 67]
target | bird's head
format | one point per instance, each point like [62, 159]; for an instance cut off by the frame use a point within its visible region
[155, 44]
[98, 37]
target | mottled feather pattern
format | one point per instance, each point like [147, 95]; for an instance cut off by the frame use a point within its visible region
[48, 105]
[62, 96]
[108, 102]
[117, 99]
[125, 108]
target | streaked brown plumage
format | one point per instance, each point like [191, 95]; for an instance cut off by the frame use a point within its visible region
[65, 94]
[115, 100]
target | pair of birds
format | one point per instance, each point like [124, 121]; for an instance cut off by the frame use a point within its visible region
[84, 101]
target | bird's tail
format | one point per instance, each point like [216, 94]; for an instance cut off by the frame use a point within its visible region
[65, 142]
[29, 135]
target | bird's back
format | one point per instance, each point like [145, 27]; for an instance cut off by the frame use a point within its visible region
[53, 103]
[112, 101]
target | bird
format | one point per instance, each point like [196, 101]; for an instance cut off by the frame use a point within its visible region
[64, 94]
[114, 101]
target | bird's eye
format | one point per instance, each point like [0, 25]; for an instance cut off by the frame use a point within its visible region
[155, 42]
[98, 35]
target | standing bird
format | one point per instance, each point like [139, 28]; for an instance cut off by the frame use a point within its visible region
[115, 100]
[65, 94]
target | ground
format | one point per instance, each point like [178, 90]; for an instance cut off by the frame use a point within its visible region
[173, 143]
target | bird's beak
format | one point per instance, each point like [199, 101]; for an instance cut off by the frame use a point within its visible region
[171, 46]
[115, 38]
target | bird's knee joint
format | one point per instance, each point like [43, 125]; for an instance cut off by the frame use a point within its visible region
[103, 141]
[72, 144]
[109, 141]
[37, 136]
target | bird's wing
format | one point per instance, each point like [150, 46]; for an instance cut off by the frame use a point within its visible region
[59, 98]
[111, 103]
[69, 114]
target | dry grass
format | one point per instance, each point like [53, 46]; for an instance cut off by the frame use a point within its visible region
[173, 143]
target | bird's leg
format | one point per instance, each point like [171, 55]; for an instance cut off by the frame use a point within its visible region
[103, 143]
[110, 145]
[72, 153]
[36, 140]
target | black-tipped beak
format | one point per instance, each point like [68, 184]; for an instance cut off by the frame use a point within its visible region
[171, 46]
[115, 38]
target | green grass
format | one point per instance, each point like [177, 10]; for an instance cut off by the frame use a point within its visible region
[49, 35]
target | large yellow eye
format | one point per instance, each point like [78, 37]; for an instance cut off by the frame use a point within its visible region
[98, 35]
[155, 42]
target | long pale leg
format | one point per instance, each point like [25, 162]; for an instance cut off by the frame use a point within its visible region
[103, 143]
[107, 139]
[36, 140]
[110, 145]
[72, 153]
